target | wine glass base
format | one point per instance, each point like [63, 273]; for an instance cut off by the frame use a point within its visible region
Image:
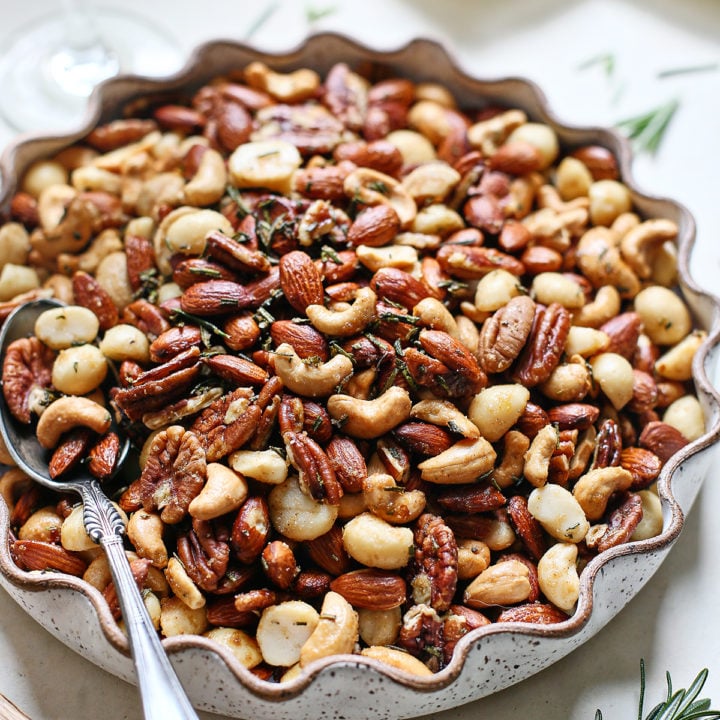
[45, 87]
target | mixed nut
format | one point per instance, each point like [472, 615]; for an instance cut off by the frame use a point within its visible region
[395, 370]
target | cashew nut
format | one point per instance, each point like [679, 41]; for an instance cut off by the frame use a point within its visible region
[473, 558]
[335, 633]
[347, 322]
[488, 135]
[223, 492]
[69, 412]
[90, 178]
[391, 502]
[367, 419]
[431, 182]
[399, 659]
[437, 219]
[510, 469]
[639, 244]
[599, 259]
[558, 577]
[44, 524]
[289, 87]
[431, 313]
[207, 185]
[403, 257]
[145, 530]
[183, 587]
[444, 414]
[464, 462]
[264, 163]
[537, 458]
[605, 306]
[372, 187]
[504, 583]
[593, 490]
[308, 379]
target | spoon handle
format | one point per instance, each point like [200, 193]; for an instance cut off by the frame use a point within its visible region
[161, 693]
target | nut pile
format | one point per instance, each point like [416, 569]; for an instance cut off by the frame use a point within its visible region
[396, 370]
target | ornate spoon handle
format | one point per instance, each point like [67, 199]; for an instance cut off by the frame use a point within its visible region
[163, 698]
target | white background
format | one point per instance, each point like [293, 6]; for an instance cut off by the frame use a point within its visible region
[673, 624]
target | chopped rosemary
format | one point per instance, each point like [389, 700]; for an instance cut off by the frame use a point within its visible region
[648, 129]
[688, 70]
[261, 19]
[680, 705]
[313, 14]
[201, 322]
[328, 253]
[605, 60]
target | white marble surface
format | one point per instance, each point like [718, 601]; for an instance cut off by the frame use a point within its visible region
[673, 623]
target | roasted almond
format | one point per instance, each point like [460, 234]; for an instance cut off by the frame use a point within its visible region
[371, 589]
[516, 158]
[88, 293]
[643, 464]
[39, 555]
[215, 297]
[300, 280]
[193, 270]
[305, 339]
[140, 260]
[472, 263]
[236, 369]
[348, 463]
[662, 439]
[536, 612]
[328, 552]
[623, 331]
[374, 226]
[573, 416]
[398, 286]
[423, 438]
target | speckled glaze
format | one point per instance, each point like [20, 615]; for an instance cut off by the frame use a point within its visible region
[486, 660]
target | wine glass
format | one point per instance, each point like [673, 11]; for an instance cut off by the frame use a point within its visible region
[50, 69]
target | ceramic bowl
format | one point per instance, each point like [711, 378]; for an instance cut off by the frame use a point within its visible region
[486, 660]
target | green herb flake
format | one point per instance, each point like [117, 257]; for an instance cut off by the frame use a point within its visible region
[606, 61]
[313, 14]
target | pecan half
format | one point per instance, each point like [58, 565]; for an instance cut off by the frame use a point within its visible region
[622, 522]
[421, 634]
[317, 477]
[27, 367]
[227, 424]
[433, 574]
[203, 554]
[545, 345]
[173, 475]
[504, 334]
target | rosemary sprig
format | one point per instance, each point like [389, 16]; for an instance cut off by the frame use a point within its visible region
[648, 129]
[679, 705]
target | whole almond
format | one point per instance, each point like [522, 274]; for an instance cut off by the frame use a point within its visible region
[371, 589]
[328, 552]
[300, 280]
[305, 339]
[90, 294]
[662, 439]
[599, 161]
[140, 259]
[215, 297]
[516, 158]
[374, 226]
[236, 369]
[423, 438]
[623, 331]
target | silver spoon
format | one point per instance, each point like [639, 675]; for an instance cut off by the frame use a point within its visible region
[161, 693]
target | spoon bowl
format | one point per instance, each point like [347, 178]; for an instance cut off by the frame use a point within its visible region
[160, 690]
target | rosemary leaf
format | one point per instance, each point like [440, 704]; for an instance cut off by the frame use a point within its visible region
[313, 14]
[261, 19]
[688, 70]
[606, 61]
[648, 129]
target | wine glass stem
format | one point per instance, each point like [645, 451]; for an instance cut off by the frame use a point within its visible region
[83, 59]
[80, 30]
